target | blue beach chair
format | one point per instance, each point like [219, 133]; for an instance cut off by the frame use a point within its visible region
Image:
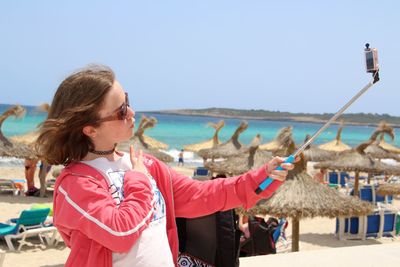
[29, 223]
[201, 173]
[333, 178]
[372, 227]
[366, 193]
[389, 223]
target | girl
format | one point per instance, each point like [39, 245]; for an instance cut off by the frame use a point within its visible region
[118, 209]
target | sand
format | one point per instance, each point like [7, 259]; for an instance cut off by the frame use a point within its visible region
[315, 234]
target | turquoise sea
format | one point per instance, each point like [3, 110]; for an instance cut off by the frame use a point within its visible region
[177, 130]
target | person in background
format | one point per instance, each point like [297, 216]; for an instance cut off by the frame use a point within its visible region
[320, 175]
[30, 169]
[114, 208]
[180, 158]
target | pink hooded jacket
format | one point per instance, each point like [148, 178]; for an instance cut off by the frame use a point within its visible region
[93, 226]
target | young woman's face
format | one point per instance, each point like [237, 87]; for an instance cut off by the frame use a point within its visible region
[115, 130]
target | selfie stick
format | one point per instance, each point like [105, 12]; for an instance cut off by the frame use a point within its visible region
[291, 158]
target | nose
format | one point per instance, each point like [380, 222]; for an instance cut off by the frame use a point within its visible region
[131, 113]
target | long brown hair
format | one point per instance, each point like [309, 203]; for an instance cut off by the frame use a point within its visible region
[76, 104]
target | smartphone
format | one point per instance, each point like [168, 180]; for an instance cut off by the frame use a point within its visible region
[371, 60]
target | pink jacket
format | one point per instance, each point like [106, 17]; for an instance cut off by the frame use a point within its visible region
[93, 226]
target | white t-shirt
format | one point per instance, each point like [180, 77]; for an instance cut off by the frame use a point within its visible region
[152, 247]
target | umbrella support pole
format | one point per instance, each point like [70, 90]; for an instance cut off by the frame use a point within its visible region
[356, 183]
[295, 234]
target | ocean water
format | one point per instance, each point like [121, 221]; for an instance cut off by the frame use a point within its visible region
[177, 131]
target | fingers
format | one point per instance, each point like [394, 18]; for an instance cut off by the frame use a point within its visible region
[279, 175]
[134, 159]
[287, 166]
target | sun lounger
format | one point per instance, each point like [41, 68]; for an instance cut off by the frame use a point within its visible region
[202, 173]
[29, 223]
[14, 185]
[349, 228]
[2, 256]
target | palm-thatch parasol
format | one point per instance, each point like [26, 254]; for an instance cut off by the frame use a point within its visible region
[358, 161]
[229, 148]
[27, 139]
[389, 147]
[30, 138]
[276, 144]
[150, 140]
[210, 143]
[243, 162]
[378, 152]
[382, 143]
[301, 196]
[388, 189]
[12, 149]
[336, 145]
[314, 153]
[139, 143]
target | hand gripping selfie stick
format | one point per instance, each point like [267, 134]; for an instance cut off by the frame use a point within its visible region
[371, 57]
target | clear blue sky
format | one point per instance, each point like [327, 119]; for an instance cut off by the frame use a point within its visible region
[297, 56]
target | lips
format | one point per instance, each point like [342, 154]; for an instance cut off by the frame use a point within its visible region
[133, 122]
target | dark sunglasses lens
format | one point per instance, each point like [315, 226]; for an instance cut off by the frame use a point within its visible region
[123, 112]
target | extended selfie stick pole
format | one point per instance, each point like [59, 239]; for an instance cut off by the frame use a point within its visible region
[292, 157]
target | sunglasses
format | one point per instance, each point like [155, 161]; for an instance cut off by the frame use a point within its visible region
[119, 114]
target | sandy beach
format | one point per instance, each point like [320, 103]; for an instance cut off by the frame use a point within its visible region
[315, 234]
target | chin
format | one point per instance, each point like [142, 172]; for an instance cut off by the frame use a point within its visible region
[130, 134]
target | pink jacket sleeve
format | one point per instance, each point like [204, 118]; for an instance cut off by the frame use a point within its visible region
[194, 198]
[83, 204]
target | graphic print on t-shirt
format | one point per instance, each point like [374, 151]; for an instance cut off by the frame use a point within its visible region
[159, 205]
[116, 187]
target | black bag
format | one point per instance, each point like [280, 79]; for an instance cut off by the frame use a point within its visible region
[261, 241]
[211, 240]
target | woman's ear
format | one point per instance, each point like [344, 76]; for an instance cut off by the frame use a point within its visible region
[89, 131]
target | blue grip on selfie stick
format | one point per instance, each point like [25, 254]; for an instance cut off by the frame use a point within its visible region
[269, 180]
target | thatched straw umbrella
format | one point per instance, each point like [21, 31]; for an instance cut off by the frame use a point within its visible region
[301, 196]
[379, 152]
[13, 149]
[156, 144]
[30, 138]
[27, 139]
[388, 189]
[139, 143]
[358, 161]
[210, 143]
[389, 147]
[313, 153]
[243, 162]
[229, 148]
[336, 145]
[382, 143]
[275, 144]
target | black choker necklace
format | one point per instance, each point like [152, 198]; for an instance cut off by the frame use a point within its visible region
[104, 152]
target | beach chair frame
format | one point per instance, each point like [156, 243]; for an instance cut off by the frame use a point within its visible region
[41, 232]
[346, 226]
[2, 257]
[9, 186]
[30, 223]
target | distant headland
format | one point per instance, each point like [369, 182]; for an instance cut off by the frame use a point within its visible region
[367, 119]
